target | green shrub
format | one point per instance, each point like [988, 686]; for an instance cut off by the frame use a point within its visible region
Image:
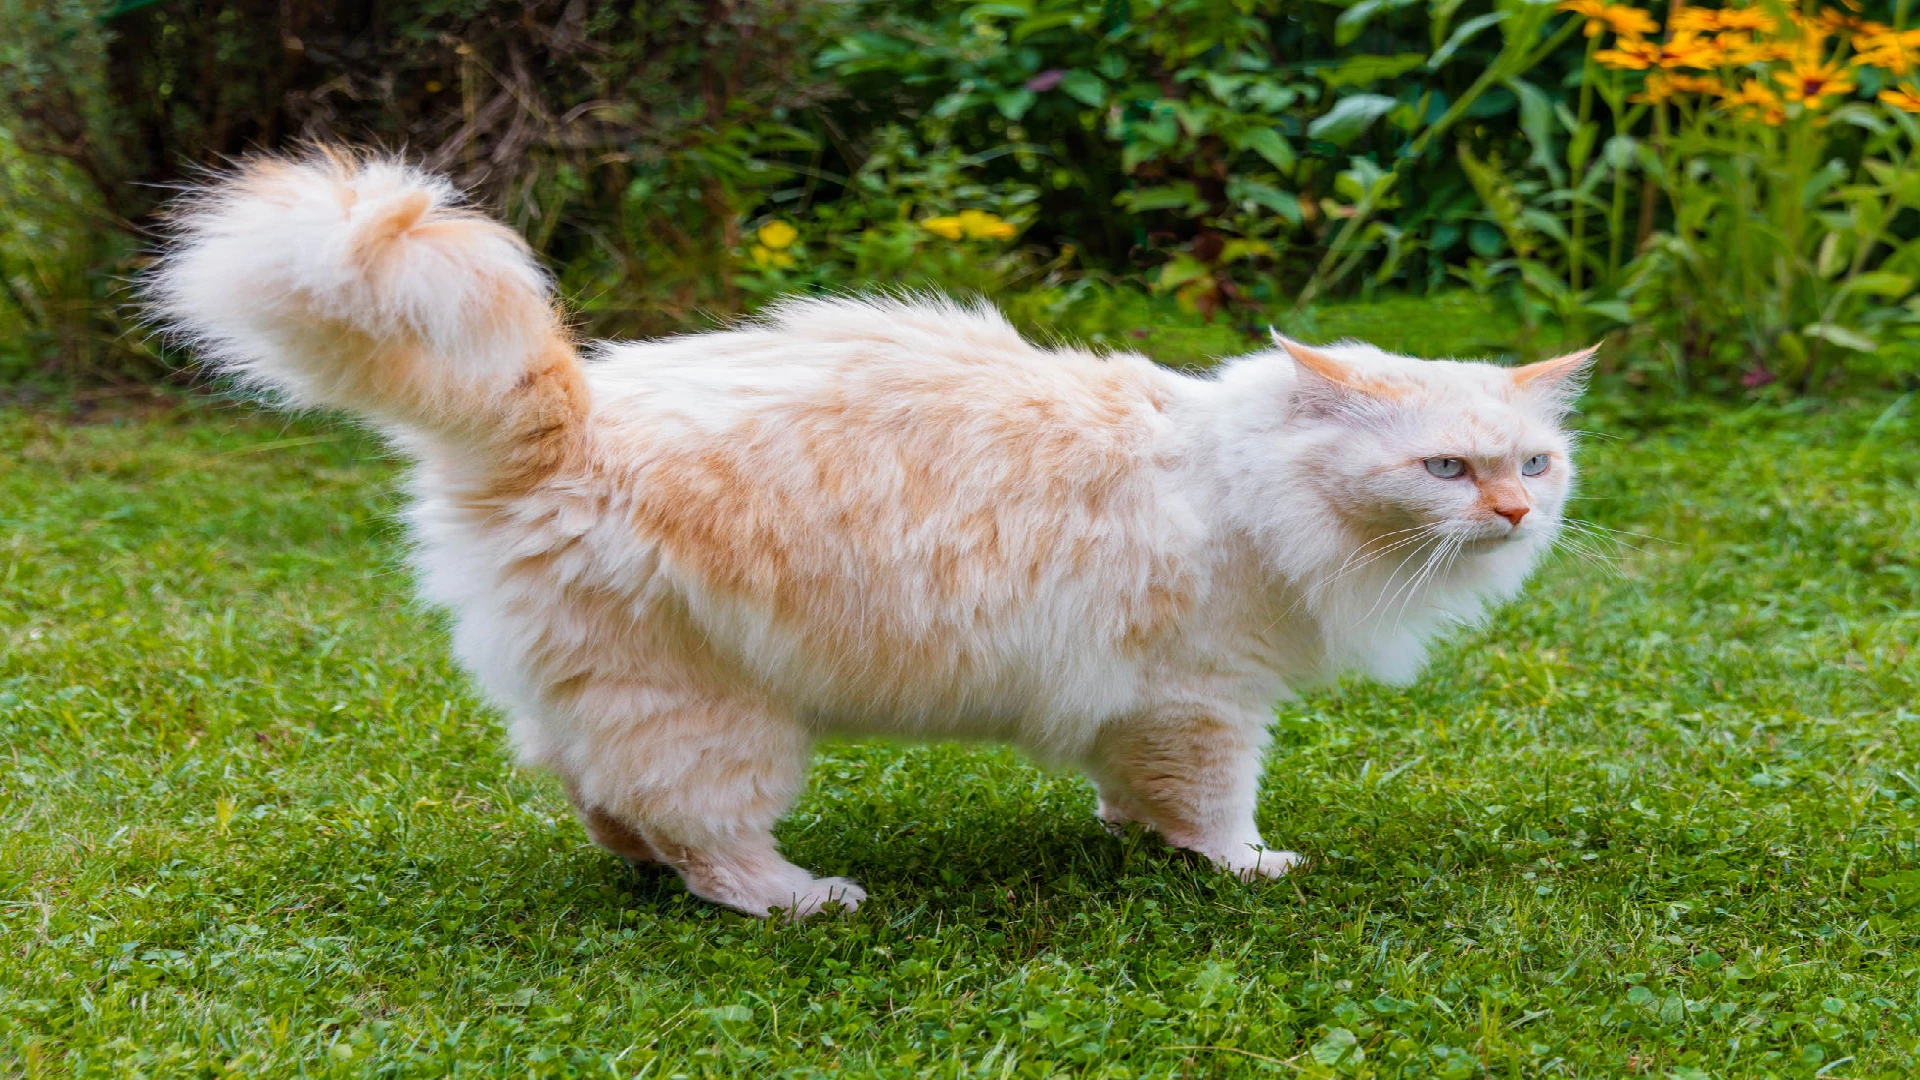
[1226, 147]
[628, 142]
[678, 161]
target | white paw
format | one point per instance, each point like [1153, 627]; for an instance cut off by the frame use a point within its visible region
[821, 892]
[1115, 817]
[1251, 861]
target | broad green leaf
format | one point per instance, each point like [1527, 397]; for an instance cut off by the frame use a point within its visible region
[1350, 117]
[1463, 34]
[1365, 70]
[1614, 310]
[1338, 1045]
[1354, 20]
[1013, 104]
[1270, 144]
[1238, 249]
[1084, 87]
[1364, 181]
[1178, 271]
[1536, 121]
[1164, 197]
[1882, 283]
[1842, 336]
[1284, 203]
[1859, 115]
[1037, 24]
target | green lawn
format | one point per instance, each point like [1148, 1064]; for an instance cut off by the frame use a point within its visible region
[1658, 818]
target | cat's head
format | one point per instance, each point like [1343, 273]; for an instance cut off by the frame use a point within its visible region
[1470, 456]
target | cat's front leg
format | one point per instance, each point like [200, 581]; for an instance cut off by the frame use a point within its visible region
[1193, 775]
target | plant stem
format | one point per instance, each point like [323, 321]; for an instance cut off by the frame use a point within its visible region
[1576, 249]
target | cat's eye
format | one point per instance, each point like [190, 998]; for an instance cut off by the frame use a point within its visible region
[1446, 468]
[1534, 465]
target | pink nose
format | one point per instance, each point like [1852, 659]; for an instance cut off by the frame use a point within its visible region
[1513, 514]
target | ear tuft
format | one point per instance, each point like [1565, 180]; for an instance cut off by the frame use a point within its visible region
[1562, 377]
[1324, 383]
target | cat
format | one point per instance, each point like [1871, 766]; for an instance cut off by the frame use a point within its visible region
[676, 563]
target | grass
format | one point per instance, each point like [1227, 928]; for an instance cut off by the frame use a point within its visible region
[1655, 819]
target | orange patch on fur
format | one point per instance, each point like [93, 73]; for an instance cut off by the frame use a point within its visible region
[1557, 368]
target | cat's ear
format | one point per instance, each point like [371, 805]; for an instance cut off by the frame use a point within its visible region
[1558, 380]
[1323, 384]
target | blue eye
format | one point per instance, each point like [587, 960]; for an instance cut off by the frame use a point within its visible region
[1534, 465]
[1446, 468]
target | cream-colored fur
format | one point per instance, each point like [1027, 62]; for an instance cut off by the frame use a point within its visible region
[677, 563]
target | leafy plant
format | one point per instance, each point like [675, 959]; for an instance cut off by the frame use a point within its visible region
[1225, 148]
[1756, 192]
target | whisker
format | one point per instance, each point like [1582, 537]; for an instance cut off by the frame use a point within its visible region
[1386, 597]
[1410, 588]
[1584, 523]
[1436, 567]
[1602, 536]
[1349, 567]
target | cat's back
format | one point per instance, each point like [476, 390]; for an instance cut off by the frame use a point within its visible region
[879, 354]
[909, 482]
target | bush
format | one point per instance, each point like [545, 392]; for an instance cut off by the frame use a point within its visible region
[1246, 158]
[627, 142]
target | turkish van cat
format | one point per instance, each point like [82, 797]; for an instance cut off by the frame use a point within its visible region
[677, 563]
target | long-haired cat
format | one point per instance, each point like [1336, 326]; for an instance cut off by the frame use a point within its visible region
[676, 563]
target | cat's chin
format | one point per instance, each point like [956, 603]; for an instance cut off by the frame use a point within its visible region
[1486, 544]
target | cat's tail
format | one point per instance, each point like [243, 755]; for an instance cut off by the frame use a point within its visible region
[361, 283]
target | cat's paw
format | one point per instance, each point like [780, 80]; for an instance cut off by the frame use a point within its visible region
[821, 892]
[1115, 816]
[1251, 863]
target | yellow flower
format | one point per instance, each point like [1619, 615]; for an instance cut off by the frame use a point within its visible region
[765, 257]
[1902, 98]
[777, 235]
[1739, 50]
[980, 225]
[1710, 20]
[1747, 19]
[1836, 20]
[948, 227]
[1686, 50]
[1696, 20]
[1895, 52]
[1884, 38]
[1623, 21]
[1662, 87]
[1757, 101]
[971, 225]
[1811, 84]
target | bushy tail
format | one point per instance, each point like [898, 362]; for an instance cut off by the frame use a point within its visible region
[361, 283]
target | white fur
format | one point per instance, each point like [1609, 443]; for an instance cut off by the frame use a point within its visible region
[1268, 499]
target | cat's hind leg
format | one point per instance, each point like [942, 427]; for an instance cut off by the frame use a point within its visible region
[1115, 808]
[609, 831]
[1193, 777]
[697, 782]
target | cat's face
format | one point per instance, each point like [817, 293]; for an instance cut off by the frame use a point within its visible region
[1465, 455]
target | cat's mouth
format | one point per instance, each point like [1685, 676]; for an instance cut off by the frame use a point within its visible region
[1490, 542]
